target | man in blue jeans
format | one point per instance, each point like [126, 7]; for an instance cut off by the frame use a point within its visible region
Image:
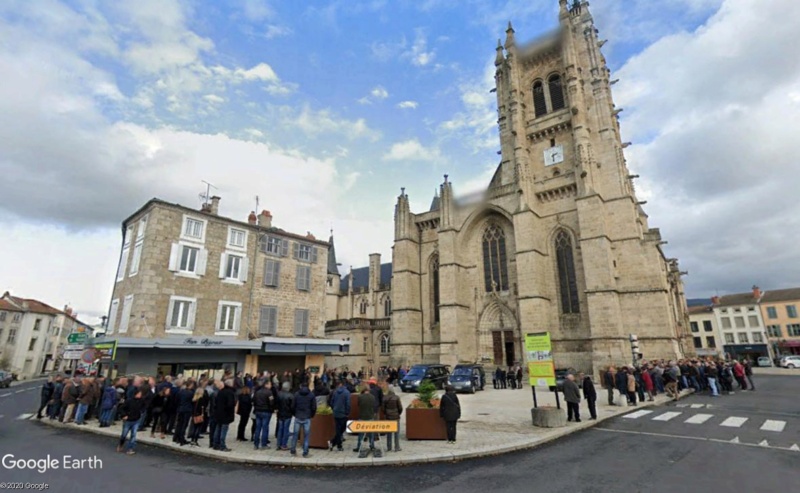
[131, 411]
[340, 403]
[285, 410]
[304, 408]
[263, 406]
[224, 413]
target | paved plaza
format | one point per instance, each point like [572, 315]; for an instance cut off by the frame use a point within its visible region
[492, 422]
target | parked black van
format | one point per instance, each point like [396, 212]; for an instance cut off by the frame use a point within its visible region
[437, 374]
[468, 378]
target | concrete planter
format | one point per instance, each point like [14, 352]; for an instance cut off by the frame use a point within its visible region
[549, 417]
[425, 424]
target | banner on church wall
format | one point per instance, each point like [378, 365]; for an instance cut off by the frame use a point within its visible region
[541, 370]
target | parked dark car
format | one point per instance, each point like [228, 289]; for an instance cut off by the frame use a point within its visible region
[5, 379]
[468, 378]
[437, 374]
[561, 375]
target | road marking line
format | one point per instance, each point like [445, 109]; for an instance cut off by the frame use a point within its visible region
[637, 414]
[733, 422]
[5, 395]
[681, 405]
[667, 416]
[699, 419]
[773, 425]
[25, 416]
[19, 391]
[697, 406]
[735, 441]
[763, 443]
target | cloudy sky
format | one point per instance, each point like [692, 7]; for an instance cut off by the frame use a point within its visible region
[324, 109]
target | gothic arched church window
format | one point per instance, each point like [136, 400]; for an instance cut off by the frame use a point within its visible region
[568, 286]
[387, 306]
[495, 261]
[362, 307]
[556, 92]
[435, 287]
[386, 343]
[539, 104]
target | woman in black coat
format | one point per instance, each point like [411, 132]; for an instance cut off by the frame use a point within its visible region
[450, 411]
[244, 407]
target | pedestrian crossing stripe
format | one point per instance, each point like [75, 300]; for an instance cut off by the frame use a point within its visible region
[773, 425]
[25, 416]
[697, 406]
[667, 416]
[638, 414]
[733, 422]
[699, 419]
[681, 405]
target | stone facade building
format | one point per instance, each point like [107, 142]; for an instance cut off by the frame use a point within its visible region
[191, 281]
[706, 338]
[779, 310]
[558, 241]
[740, 324]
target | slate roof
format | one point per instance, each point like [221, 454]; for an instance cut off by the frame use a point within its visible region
[435, 202]
[737, 299]
[698, 302]
[361, 277]
[700, 309]
[777, 295]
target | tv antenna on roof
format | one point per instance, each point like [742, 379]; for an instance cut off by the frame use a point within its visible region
[205, 197]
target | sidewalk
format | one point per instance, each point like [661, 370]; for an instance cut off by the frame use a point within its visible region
[493, 422]
[774, 370]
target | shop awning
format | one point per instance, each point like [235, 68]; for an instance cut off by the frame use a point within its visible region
[303, 345]
[187, 342]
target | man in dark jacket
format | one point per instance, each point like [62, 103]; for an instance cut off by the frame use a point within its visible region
[450, 411]
[589, 393]
[304, 408]
[55, 407]
[621, 381]
[377, 393]
[47, 393]
[392, 409]
[184, 412]
[366, 412]
[263, 407]
[340, 403]
[609, 382]
[131, 413]
[85, 399]
[285, 409]
[224, 413]
[573, 397]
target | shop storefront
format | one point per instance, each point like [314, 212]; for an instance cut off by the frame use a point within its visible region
[750, 351]
[213, 356]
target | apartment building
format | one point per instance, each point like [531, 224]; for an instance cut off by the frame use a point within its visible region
[704, 331]
[741, 325]
[779, 309]
[212, 293]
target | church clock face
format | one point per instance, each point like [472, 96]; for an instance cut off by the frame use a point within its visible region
[554, 155]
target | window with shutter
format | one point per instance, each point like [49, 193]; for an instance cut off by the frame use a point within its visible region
[112, 317]
[303, 278]
[295, 250]
[123, 263]
[300, 322]
[272, 269]
[314, 254]
[268, 320]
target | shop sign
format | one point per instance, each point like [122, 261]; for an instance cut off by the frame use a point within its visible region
[539, 352]
[191, 341]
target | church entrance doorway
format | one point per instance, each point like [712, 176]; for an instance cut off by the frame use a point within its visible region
[509, 354]
[497, 342]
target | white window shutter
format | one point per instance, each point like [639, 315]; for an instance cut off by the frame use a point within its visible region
[219, 317]
[314, 254]
[244, 268]
[123, 264]
[169, 313]
[174, 257]
[237, 318]
[273, 321]
[295, 250]
[112, 317]
[222, 264]
[202, 260]
[192, 313]
[284, 248]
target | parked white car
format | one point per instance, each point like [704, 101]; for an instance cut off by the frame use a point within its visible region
[791, 361]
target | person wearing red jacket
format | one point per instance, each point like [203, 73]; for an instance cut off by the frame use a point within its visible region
[738, 374]
[648, 383]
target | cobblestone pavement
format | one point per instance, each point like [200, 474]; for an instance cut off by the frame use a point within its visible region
[492, 422]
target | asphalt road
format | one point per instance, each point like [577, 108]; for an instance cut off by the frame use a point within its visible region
[624, 454]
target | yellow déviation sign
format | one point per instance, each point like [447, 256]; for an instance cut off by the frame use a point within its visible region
[539, 353]
[372, 427]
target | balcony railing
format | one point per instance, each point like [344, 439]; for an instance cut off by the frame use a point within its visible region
[359, 323]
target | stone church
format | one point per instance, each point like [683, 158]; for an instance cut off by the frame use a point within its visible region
[557, 242]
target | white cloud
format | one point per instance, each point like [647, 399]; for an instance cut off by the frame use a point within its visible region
[714, 144]
[214, 99]
[475, 124]
[376, 94]
[324, 121]
[412, 150]
[419, 53]
[275, 31]
[408, 105]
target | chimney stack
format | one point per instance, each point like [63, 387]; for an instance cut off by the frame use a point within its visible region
[310, 236]
[715, 300]
[756, 293]
[252, 218]
[265, 219]
[214, 206]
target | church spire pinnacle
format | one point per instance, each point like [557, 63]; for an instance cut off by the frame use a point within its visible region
[499, 59]
[510, 41]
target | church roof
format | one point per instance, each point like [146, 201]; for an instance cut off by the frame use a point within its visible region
[435, 202]
[361, 277]
[333, 267]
